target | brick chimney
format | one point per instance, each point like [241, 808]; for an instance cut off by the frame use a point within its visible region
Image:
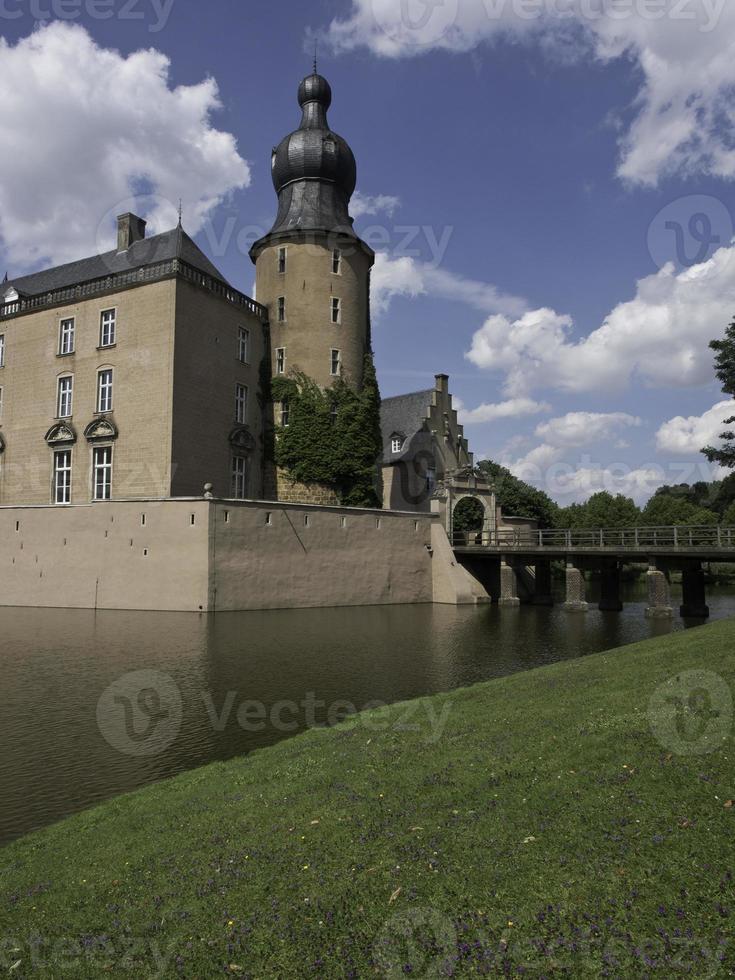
[130, 229]
[442, 383]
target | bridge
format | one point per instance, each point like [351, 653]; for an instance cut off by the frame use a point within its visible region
[516, 563]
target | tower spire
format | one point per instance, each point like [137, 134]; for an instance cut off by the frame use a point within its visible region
[316, 51]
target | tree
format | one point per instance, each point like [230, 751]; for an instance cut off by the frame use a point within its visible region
[605, 511]
[728, 518]
[516, 498]
[664, 510]
[469, 515]
[725, 371]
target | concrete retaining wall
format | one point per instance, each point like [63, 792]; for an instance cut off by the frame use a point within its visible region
[195, 554]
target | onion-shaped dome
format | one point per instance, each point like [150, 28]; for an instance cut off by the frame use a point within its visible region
[313, 169]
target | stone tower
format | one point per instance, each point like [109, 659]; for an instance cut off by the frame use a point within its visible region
[312, 270]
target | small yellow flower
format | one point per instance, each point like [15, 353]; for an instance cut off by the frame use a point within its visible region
[305, 867]
[231, 922]
[510, 923]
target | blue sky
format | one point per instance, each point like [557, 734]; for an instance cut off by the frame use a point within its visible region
[531, 175]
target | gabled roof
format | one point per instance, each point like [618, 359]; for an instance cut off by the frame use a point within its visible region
[403, 415]
[175, 244]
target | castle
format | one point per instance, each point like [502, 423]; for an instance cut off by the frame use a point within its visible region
[139, 372]
[141, 376]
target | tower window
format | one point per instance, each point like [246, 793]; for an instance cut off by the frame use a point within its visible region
[239, 477]
[243, 345]
[241, 404]
[336, 363]
[1, 402]
[282, 260]
[337, 262]
[2, 350]
[281, 309]
[285, 414]
[62, 477]
[102, 473]
[64, 397]
[108, 328]
[281, 360]
[336, 310]
[66, 336]
[104, 390]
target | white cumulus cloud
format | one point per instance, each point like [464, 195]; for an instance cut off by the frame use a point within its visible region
[660, 337]
[685, 436]
[88, 132]
[362, 204]
[514, 408]
[585, 428]
[404, 276]
[683, 52]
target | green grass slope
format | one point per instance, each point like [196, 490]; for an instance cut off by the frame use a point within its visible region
[574, 820]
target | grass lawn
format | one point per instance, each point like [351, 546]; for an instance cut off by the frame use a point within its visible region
[574, 820]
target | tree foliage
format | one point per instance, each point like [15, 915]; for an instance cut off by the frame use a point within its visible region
[516, 498]
[602, 510]
[725, 371]
[333, 437]
[667, 510]
[469, 515]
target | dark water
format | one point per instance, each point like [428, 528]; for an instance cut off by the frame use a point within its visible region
[66, 746]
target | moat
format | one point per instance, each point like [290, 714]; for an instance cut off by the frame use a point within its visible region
[247, 680]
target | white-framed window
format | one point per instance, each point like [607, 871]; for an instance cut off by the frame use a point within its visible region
[2, 350]
[281, 309]
[108, 328]
[239, 478]
[336, 309]
[396, 444]
[104, 390]
[62, 476]
[243, 345]
[65, 397]
[241, 404]
[102, 473]
[282, 259]
[285, 414]
[334, 413]
[336, 262]
[67, 329]
[281, 360]
[336, 363]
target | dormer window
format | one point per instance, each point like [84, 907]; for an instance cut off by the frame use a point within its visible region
[396, 444]
[11, 296]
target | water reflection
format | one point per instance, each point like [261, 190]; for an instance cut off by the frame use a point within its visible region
[57, 663]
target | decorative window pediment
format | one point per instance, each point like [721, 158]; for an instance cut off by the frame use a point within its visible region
[11, 296]
[61, 434]
[243, 439]
[101, 430]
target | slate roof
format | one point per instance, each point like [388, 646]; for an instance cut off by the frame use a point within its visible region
[404, 415]
[175, 244]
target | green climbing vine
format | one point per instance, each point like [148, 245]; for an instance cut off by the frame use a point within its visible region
[333, 436]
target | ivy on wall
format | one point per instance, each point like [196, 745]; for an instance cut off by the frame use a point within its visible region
[333, 436]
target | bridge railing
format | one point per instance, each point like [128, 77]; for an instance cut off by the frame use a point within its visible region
[644, 539]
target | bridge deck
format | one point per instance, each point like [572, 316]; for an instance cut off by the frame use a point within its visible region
[711, 544]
